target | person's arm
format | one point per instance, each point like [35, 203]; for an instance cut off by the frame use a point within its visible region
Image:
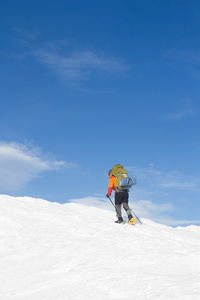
[111, 185]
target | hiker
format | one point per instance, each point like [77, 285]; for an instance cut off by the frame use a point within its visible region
[121, 197]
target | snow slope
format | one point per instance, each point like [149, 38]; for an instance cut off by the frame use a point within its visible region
[50, 251]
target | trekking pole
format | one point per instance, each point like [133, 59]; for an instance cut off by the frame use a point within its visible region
[112, 202]
[113, 205]
[136, 217]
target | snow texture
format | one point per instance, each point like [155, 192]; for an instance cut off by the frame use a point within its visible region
[51, 251]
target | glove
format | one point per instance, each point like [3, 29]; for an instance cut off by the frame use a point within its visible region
[107, 196]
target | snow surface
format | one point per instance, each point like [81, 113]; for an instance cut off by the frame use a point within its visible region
[50, 251]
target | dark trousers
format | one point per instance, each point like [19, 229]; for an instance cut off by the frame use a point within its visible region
[121, 198]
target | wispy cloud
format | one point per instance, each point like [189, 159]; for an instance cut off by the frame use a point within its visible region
[78, 66]
[20, 164]
[180, 185]
[184, 56]
[185, 59]
[25, 34]
[68, 60]
[143, 209]
[98, 201]
[147, 208]
[150, 176]
[185, 110]
[172, 222]
[179, 114]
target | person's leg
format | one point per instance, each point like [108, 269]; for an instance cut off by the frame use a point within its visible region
[118, 204]
[125, 204]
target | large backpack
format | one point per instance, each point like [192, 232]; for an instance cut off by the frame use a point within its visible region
[123, 181]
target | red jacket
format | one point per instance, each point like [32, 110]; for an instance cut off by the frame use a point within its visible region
[111, 184]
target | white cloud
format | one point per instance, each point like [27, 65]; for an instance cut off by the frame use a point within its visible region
[143, 209]
[98, 201]
[78, 66]
[180, 185]
[20, 164]
[147, 207]
[71, 62]
[188, 61]
[171, 222]
[185, 110]
[167, 180]
[184, 56]
[25, 34]
[178, 115]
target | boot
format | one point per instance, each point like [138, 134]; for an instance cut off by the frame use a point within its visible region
[130, 217]
[120, 220]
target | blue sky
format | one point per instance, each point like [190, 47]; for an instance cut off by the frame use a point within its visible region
[89, 84]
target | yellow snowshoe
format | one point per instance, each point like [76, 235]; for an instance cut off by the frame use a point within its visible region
[132, 221]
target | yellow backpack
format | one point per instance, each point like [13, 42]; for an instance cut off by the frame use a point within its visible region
[123, 181]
